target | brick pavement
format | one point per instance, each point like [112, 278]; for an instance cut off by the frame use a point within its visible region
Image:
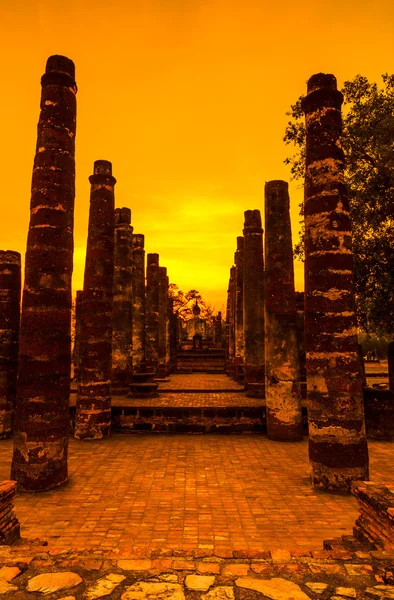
[186, 492]
[200, 381]
[205, 399]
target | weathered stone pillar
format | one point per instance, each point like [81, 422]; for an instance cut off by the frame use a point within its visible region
[300, 342]
[152, 311]
[218, 330]
[122, 303]
[254, 377]
[230, 368]
[282, 368]
[239, 308]
[173, 325]
[162, 326]
[10, 297]
[39, 461]
[77, 334]
[338, 449]
[390, 351]
[138, 298]
[93, 410]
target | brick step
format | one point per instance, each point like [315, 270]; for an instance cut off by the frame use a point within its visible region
[186, 419]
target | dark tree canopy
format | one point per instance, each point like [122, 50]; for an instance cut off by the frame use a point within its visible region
[184, 302]
[368, 143]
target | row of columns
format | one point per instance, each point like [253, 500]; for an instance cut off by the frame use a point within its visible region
[261, 338]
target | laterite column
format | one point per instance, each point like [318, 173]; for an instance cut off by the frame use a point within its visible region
[138, 299]
[152, 312]
[39, 461]
[162, 331]
[231, 324]
[390, 351]
[239, 307]
[282, 367]
[93, 411]
[254, 377]
[77, 334]
[338, 449]
[10, 297]
[122, 303]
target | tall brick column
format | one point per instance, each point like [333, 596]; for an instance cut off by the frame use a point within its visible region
[152, 311]
[93, 410]
[39, 460]
[173, 325]
[10, 297]
[162, 326]
[239, 308]
[282, 365]
[338, 449]
[138, 298]
[254, 350]
[77, 335]
[122, 303]
[390, 351]
[230, 367]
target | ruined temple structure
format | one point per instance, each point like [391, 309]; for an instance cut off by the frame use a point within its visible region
[390, 352]
[138, 303]
[10, 295]
[253, 301]
[77, 333]
[39, 461]
[238, 310]
[282, 367]
[338, 450]
[93, 410]
[230, 325]
[152, 312]
[122, 303]
[163, 339]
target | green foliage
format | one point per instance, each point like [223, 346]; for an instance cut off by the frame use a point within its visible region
[368, 143]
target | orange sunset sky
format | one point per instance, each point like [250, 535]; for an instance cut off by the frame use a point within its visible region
[187, 99]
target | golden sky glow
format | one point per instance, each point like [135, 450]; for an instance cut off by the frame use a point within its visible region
[187, 99]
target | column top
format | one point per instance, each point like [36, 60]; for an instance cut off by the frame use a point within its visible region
[252, 218]
[60, 64]
[138, 240]
[102, 167]
[122, 215]
[240, 242]
[321, 81]
[152, 259]
[163, 271]
[276, 183]
[10, 253]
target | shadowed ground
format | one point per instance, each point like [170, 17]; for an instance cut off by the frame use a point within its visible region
[187, 492]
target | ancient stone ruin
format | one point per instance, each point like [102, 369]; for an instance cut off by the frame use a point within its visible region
[282, 361]
[93, 414]
[39, 460]
[338, 449]
[10, 295]
[253, 298]
[122, 311]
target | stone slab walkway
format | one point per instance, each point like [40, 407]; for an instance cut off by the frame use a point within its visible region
[216, 493]
[200, 381]
[30, 571]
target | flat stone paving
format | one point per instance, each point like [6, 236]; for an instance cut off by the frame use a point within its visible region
[189, 492]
